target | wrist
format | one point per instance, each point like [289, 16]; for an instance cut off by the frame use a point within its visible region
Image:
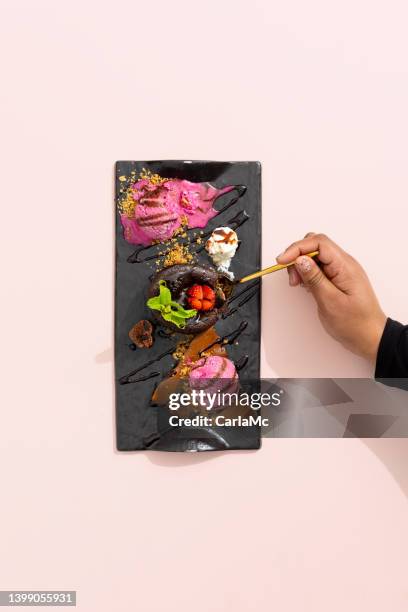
[375, 332]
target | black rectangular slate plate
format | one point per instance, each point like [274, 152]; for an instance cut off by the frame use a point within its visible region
[139, 425]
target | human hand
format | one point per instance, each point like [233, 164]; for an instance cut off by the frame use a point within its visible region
[347, 305]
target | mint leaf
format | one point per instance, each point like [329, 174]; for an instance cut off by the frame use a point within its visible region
[182, 311]
[154, 303]
[173, 318]
[169, 309]
[165, 295]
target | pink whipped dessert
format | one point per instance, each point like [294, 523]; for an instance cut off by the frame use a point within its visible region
[214, 375]
[153, 211]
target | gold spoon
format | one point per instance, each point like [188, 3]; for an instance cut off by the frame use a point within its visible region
[272, 269]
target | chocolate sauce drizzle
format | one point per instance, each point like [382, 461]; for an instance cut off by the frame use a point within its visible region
[143, 378]
[134, 257]
[227, 338]
[165, 334]
[238, 294]
[239, 219]
[125, 380]
[240, 189]
[241, 363]
[246, 299]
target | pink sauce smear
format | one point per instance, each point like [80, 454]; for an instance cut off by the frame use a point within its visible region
[160, 209]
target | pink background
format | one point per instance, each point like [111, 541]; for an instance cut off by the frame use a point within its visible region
[318, 92]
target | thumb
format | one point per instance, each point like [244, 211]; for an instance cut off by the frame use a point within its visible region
[314, 279]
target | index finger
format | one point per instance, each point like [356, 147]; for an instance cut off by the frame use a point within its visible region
[328, 249]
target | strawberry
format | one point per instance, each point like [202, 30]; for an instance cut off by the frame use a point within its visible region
[207, 305]
[201, 297]
[194, 303]
[208, 293]
[196, 291]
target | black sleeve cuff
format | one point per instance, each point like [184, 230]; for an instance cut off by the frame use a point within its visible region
[388, 362]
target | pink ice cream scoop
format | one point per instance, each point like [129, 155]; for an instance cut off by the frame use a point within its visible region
[160, 209]
[214, 374]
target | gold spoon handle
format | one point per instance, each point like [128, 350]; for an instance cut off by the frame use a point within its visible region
[272, 269]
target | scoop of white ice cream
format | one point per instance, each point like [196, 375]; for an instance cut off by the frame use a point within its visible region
[222, 245]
